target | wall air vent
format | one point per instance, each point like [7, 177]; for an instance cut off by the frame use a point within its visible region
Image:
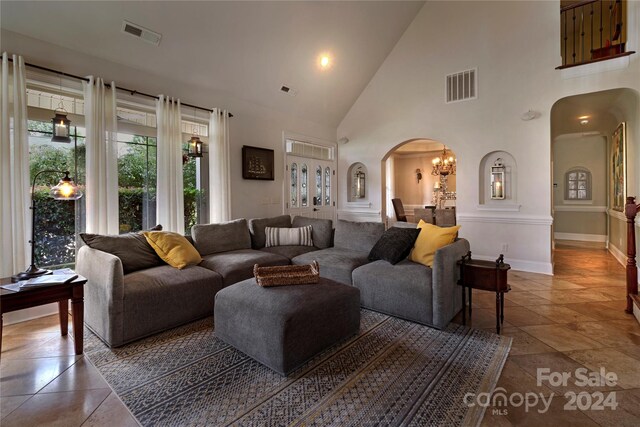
[461, 86]
[141, 32]
[288, 90]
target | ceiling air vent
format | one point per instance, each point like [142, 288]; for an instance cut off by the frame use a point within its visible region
[461, 86]
[141, 32]
[288, 90]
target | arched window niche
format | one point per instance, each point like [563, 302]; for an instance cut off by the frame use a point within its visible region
[357, 182]
[496, 162]
[577, 184]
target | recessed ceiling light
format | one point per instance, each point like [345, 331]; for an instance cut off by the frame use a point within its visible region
[324, 61]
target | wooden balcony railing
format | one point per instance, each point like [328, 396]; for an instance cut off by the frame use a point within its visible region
[591, 31]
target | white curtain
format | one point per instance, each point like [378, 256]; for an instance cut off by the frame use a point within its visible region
[15, 216]
[101, 122]
[219, 167]
[170, 196]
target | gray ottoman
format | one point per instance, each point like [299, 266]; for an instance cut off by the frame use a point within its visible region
[283, 326]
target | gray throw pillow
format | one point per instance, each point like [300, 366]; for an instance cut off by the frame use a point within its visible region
[394, 245]
[134, 251]
[221, 237]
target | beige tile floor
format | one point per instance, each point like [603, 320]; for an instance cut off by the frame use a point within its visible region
[572, 320]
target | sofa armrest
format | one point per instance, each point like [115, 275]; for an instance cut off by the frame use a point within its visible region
[447, 296]
[104, 293]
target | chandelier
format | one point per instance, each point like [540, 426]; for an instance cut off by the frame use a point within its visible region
[443, 164]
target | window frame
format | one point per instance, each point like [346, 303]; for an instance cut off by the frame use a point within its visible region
[588, 185]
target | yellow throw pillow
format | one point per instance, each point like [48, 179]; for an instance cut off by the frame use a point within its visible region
[173, 248]
[430, 239]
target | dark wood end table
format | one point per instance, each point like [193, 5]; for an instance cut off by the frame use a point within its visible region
[487, 276]
[74, 291]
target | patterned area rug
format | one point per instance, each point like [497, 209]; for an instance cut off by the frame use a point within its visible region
[394, 372]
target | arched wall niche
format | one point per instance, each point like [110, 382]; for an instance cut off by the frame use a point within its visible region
[357, 182]
[510, 201]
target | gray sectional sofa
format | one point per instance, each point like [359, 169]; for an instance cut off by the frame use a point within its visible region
[126, 304]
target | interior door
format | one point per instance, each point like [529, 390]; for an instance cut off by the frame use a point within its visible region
[310, 188]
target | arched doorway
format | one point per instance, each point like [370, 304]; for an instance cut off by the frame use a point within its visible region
[588, 192]
[407, 175]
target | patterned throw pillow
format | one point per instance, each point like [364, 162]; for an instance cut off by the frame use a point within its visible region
[394, 245]
[300, 236]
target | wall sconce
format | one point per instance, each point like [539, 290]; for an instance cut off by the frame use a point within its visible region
[359, 177]
[419, 175]
[497, 180]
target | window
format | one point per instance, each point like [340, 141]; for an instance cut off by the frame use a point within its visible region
[578, 184]
[318, 200]
[303, 185]
[57, 223]
[327, 186]
[136, 182]
[194, 196]
[294, 185]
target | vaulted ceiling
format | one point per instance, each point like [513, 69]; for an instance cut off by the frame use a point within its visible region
[246, 49]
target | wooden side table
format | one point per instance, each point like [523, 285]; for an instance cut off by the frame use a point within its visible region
[74, 291]
[487, 276]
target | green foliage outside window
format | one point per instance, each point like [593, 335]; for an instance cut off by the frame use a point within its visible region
[56, 220]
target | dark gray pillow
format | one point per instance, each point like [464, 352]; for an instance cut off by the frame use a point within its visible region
[394, 245]
[134, 251]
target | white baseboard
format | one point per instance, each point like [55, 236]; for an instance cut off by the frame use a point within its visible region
[521, 264]
[29, 313]
[601, 238]
[618, 254]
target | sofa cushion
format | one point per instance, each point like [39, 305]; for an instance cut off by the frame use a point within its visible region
[357, 236]
[134, 251]
[173, 248]
[335, 263]
[235, 266]
[321, 230]
[299, 236]
[163, 297]
[394, 245]
[289, 251]
[402, 290]
[222, 237]
[257, 226]
[430, 239]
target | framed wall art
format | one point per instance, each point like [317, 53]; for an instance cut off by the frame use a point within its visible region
[257, 163]
[619, 167]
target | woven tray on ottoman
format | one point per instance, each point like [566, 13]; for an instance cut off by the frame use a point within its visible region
[283, 275]
[283, 326]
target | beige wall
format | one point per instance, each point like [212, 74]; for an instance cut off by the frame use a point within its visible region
[579, 217]
[406, 186]
[580, 223]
